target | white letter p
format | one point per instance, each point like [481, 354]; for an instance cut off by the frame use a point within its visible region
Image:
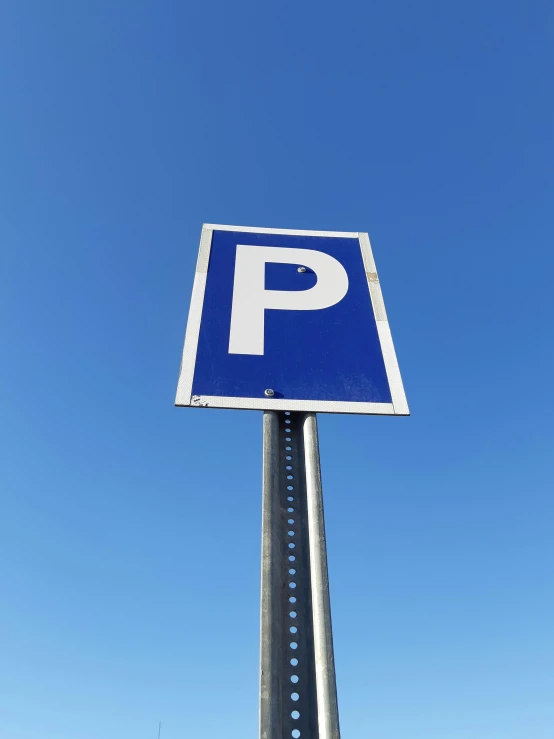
[251, 299]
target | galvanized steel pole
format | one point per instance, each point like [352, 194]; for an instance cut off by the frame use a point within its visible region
[297, 671]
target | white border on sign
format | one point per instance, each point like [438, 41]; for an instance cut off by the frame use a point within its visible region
[184, 397]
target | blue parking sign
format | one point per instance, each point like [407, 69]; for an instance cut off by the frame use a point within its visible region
[288, 320]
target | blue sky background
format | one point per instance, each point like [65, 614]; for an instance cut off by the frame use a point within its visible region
[129, 530]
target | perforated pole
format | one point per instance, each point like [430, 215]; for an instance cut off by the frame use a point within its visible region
[297, 676]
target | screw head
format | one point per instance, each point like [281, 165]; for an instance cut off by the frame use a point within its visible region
[269, 392]
[301, 269]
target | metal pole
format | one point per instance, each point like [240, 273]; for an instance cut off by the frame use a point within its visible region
[270, 617]
[327, 705]
[297, 674]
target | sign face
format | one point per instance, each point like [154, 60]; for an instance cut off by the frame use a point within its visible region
[288, 320]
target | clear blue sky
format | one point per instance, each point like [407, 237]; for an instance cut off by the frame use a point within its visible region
[129, 530]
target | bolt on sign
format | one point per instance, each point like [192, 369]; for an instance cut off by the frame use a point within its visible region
[288, 320]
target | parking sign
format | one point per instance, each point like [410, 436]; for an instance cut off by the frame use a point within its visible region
[288, 320]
